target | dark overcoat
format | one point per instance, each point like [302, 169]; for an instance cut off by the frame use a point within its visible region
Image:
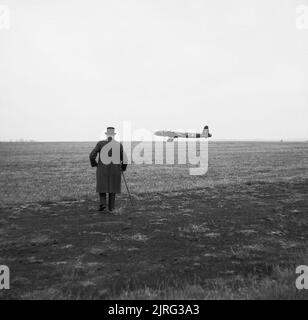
[109, 165]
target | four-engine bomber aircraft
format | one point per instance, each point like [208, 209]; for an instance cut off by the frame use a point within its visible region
[177, 134]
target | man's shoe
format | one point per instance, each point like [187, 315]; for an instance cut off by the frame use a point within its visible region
[102, 207]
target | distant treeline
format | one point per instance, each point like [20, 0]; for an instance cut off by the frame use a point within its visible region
[20, 140]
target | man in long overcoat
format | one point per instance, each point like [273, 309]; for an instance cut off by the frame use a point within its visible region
[109, 166]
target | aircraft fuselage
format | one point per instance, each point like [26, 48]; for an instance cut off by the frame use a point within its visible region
[176, 134]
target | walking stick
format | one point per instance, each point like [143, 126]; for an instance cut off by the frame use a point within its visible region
[130, 197]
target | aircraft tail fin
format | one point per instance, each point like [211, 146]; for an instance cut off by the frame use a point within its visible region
[205, 132]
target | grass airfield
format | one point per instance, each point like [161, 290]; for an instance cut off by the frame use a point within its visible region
[237, 233]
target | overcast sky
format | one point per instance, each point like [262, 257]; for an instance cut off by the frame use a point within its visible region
[70, 68]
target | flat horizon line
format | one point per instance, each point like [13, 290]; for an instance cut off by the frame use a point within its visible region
[213, 140]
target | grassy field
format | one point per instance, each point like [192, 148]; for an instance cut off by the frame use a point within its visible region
[31, 172]
[236, 233]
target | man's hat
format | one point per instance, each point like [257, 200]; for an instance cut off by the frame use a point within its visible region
[110, 131]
